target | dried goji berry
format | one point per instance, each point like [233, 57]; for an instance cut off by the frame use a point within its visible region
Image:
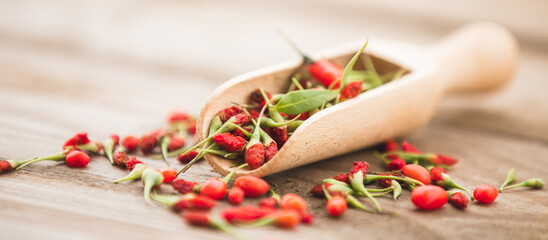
[229, 142]
[120, 158]
[241, 119]
[342, 177]
[308, 218]
[395, 164]
[270, 151]
[459, 200]
[239, 133]
[257, 96]
[5, 166]
[185, 158]
[351, 90]
[280, 135]
[254, 155]
[130, 164]
[436, 173]
[317, 191]
[390, 146]
[147, 143]
[182, 186]
[197, 217]
[359, 166]
[227, 113]
[255, 114]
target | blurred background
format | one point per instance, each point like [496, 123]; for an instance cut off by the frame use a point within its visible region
[152, 56]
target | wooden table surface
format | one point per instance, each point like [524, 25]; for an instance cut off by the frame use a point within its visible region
[120, 66]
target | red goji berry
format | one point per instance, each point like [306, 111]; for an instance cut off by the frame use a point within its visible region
[445, 160]
[187, 157]
[194, 202]
[308, 218]
[242, 119]
[386, 182]
[169, 174]
[342, 177]
[120, 158]
[293, 201]
[244, 213]
[268, 202]
[78, 139]
[214, 188]
[396, 164]
[77, 158]
[336, 206]
[287, 218]
[236, 195]
[5, 166]
[485, 194]
[182, 186]
[192, 128]
[227, 113]
[176, 142]
[351, 90]
[429, 197]
[130, 164]
[254, 155]
[130, 143]
[408, 147]
[177, 116]
[197, 218]
[229, 142]
[326, 72]
[252, 186]
[417, 172]
[390, 146]
[459, 200]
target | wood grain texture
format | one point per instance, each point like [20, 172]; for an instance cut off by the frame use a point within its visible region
[70, 66]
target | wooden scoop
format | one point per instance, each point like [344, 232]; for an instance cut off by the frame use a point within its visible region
[479, 56]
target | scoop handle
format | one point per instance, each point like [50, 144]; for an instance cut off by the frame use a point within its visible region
[476, 57]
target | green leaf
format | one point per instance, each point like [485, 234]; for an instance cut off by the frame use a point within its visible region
[350, 66]
[305, 100]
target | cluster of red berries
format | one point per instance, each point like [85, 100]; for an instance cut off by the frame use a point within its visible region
[425, 174]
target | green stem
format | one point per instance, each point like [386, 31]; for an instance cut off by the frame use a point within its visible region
[535, 183]
[370, 178]
[166, 200]
[382, 157]
[397, 189]
[245, 132]
[55, 157]
[356, 181]
[164, 144]
[133, 175]
[258, 223]
[229, 176]
[150, 180]
[354, 202]
[296, 82]
[107, 149]
[382, 193]
[171, 154]
[195, 159]
[223, 226]
[510, 178]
